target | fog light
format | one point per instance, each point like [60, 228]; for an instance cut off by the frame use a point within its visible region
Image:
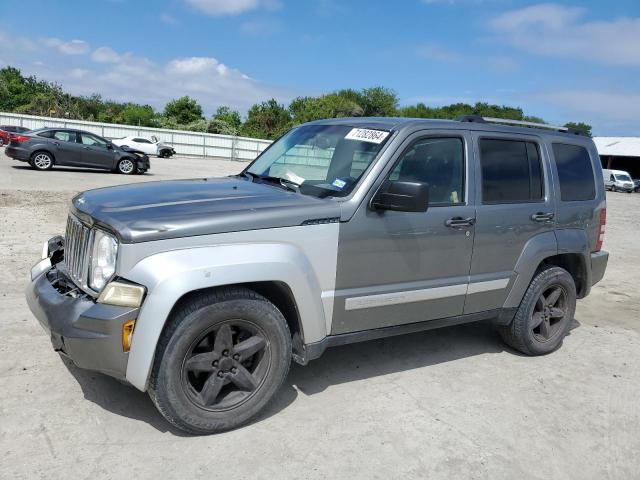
[127, 333]
[122, 295]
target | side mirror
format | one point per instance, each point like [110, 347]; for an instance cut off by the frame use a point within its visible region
[402, 197]
[110, 146]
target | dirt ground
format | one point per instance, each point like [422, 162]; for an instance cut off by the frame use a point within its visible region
[451, 403]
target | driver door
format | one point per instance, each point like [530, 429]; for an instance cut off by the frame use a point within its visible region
[95, 151]
[403, 267]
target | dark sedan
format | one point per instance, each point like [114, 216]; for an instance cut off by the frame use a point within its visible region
[47, 147]
[7, 130]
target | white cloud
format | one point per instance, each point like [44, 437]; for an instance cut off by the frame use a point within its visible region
[231, 7]
[196, 66]
[73, 47]
[130, 78]
[105, 55]
[560, 31]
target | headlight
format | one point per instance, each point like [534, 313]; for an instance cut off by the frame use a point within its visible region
[103, 259]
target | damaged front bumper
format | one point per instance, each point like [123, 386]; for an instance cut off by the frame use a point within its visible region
[88, 333]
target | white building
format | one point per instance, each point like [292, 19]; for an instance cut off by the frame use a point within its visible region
[620, 153]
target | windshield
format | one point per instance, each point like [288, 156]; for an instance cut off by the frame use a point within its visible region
[624, 178]
[321, 160]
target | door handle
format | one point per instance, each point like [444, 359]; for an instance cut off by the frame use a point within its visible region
[87, 148]
[57, 144]
[459, 222]
[542, 217]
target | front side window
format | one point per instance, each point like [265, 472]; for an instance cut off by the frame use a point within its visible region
[438, 162]
[511, 171]
[321, 160]
[88, 139]
[623, 178]
[575, 172]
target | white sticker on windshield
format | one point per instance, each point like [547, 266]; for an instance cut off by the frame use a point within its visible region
[289, 175]
[366, 135]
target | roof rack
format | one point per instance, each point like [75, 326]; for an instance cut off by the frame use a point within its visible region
[517, 123]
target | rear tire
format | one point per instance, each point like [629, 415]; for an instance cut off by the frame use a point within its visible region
[220, 361]
[41, 161]
[126, 166]
[545, 314]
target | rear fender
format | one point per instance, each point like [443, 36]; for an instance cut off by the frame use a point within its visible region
[534, 252]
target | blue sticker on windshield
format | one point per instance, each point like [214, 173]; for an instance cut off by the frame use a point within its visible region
[339, 183]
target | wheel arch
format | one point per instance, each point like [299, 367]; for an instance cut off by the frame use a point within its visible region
[575, 264]
[43, 150]
[281, 274]
[277, 292]
[568, 249]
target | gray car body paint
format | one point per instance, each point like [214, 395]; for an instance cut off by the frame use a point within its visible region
[370, 271]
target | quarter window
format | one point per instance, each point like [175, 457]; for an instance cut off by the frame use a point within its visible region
[438, 162]
[575, 172]
[511, 171]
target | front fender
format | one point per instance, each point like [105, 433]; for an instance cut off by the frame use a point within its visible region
[170, 275]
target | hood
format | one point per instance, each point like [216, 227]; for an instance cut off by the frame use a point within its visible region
[144, 212]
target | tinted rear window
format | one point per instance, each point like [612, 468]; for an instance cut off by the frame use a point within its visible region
[575, 172]
[511, 171]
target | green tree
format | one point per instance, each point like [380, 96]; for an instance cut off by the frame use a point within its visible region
[184, 110]
[580, 126]
[267, 120]
[142, 115]
[332, 105]
[225, 121]
[379, 102]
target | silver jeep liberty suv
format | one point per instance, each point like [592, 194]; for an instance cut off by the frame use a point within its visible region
[202, 291]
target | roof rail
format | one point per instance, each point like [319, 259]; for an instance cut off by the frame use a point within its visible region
[517, 123]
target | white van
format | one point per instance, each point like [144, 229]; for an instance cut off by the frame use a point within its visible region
[617, 180]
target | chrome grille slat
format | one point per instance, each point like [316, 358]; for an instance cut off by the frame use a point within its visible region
[76, 245]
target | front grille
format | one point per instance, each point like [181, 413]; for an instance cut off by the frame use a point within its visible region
[76, 250]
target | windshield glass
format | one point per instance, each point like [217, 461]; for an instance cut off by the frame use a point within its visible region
[624, 178]
[322, 160]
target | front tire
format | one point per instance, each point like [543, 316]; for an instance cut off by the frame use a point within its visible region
[544, 315]
[41, 161]
[126, 166]
[220, 361]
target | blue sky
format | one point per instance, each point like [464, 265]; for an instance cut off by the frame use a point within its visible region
[562, 61]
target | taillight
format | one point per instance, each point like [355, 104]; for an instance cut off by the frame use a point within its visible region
[603, 221]
[19, 138]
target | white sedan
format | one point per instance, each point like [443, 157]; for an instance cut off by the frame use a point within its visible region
[149, 146]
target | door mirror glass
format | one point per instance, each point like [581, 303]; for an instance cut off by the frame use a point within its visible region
[402, 197]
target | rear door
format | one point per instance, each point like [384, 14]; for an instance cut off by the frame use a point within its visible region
[515, 204]
[95, 151]
[67, 150]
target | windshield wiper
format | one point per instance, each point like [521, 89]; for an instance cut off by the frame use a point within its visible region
[284, 182]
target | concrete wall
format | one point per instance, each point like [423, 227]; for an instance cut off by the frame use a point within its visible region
[185, 143]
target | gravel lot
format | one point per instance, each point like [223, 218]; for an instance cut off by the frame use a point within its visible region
[451, 403]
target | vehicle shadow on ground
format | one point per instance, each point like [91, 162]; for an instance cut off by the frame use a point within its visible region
[125, 400]
[349, 363]
[76, 170]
